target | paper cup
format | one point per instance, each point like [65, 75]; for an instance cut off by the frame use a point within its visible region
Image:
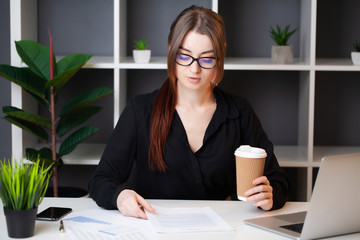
[250, 163]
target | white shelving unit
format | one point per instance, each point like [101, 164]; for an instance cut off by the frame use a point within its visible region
[304, 155]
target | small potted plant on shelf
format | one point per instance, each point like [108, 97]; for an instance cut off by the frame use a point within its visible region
[22, 188]
[42, 79]
[141, 53]
[282, 53]
[355, 55]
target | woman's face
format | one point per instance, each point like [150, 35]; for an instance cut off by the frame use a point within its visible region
[193, 76]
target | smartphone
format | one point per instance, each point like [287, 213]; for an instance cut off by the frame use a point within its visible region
[53, 213]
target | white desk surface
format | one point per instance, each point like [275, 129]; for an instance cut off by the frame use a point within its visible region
[233, 212]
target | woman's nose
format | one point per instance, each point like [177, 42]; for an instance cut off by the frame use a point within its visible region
[194, 67]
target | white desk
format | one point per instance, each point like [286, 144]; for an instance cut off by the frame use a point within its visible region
[233, 212]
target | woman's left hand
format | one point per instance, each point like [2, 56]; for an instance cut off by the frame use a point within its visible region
[261, 193]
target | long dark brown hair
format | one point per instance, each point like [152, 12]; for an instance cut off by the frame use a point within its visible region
[200, 20]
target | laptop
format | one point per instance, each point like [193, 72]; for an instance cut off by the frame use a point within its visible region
[334, 207]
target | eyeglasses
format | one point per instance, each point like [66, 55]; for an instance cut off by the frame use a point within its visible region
[204, 62]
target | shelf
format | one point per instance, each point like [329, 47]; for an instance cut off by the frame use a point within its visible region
[291, 156]
[85, 154]
[288, 156]
[232, 63]
[106, 62]
[336, 64]
[155, 63]
[96, 62]
[322, 151]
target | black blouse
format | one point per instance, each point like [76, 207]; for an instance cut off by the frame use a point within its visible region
[208, 173]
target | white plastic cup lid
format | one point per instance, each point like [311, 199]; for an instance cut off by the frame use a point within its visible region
[247, 151]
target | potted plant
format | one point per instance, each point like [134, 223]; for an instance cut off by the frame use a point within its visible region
[141, 53]
[43, 79]
[355, 55]
[22, 188]
[282, 53]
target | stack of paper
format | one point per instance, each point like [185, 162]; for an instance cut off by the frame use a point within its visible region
[186, 220]
[110, 224]
[106, 224]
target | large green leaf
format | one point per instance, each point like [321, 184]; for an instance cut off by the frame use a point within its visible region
[24, 78]
[44, 155]
[36, 56]
[26, 116]
[67, 67]
[75, 118]
[85, 99]
[7, 109]
[75, 138]
[29, 127]
[72, 61]
[40, 100]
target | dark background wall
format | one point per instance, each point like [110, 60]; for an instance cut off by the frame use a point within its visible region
[5, 96]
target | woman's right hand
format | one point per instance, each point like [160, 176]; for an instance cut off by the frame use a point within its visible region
[132, 204]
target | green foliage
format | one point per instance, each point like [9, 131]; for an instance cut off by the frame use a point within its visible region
[281, 36]
[141, 44]
[356, 45]
[36, 80]
[23, 186]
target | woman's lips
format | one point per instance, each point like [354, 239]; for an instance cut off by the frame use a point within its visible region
[194, 79]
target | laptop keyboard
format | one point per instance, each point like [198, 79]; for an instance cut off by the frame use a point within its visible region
[294, 227]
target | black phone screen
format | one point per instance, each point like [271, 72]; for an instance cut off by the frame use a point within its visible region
[53, 213]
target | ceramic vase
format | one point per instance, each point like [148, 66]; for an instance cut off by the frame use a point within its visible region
[282, 54]
[355, 57]
[142, 56]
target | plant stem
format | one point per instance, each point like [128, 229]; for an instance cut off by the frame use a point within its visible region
[53, 140]
[53, 122]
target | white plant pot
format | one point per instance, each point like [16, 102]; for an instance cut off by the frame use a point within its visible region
[355, 57]
[142, 56]
[282, 54]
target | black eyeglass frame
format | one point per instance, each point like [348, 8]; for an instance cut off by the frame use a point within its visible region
[194, 59]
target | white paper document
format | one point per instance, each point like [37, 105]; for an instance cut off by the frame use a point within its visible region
[186, 220]
[101, 224]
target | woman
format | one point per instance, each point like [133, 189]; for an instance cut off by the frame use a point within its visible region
[183, 136]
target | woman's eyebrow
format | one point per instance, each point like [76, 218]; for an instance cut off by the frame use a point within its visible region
[208, 51]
